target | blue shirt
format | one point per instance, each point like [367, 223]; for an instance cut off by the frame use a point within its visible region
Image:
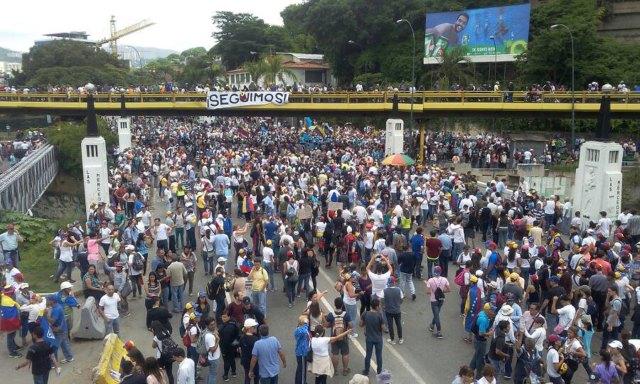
[221, 244]
[417, 242]
[270, 230]
[493, 259]
[266, 351]
[57, 314]
[301, 335]
[446, 242]
[483, 324]
[155, 262]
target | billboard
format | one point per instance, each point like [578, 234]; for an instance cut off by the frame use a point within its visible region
[472, 30]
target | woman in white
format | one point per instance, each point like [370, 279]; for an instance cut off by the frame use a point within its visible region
[321, 365]
[65, 261]
[537, 332]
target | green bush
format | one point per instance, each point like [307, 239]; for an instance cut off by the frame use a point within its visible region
[36, 255]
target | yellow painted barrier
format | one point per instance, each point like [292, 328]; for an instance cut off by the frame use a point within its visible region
[108, 369]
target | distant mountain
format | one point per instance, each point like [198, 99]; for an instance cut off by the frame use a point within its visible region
[12, 56]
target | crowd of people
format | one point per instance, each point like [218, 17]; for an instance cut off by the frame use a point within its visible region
[531, 298]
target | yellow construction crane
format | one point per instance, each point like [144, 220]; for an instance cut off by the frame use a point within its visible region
[115, 35]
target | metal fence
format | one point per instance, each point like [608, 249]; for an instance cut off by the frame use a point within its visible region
[22, 186]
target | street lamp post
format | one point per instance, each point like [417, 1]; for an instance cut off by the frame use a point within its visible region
[413, 79]
[573, 87]
[495, 58]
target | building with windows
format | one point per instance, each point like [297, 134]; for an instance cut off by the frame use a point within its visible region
[307, 69]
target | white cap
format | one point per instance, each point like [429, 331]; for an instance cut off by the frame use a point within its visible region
[479, 273]
[222, 259]
[65, 285]
[250, 323]
[130, 247]
[23, 286]
[349, 229]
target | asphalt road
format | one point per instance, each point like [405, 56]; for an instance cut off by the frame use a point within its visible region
[422, 359]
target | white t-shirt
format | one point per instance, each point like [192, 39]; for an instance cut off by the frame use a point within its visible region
[320, 346]
[161, 232]
[566, 315]
[267, 255]
[210, 341]
[552, 357]
[379, 283]
[110, 306]
[485, 381]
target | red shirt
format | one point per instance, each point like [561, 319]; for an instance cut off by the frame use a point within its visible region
[433, 245]
[606, 267]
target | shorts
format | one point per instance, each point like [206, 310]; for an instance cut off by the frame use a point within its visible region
[340, 347]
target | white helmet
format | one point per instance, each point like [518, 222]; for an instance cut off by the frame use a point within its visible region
[65, 285]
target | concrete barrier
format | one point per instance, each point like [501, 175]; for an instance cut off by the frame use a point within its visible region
[88, 324]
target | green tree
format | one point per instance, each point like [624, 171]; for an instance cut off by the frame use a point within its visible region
[274, 70]
[67, 138]
[256, 70]
[453, 67]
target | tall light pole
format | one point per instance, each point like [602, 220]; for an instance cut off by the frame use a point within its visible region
[413, 79]
[573, 87]
[495, 58]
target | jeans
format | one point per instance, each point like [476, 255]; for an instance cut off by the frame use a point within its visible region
[477, 362]
[41, 379]
[406, 280]
[207, 261]
[548, 220]
[301, 370]
[269, 380]
[113, 326]
[220, 306]
[213, 371]
[608, 336]
[499, 367]
[11, 342]
[164, 294]
[455, 252]
[397, 317]
[367, 358]
[176, 296]
[269, 268]
[352, 310]
[291, 291]
[179, 237]
[62, 267]
[162, 244]
[63, 342]
[435, 308]
[431, 263]
[304, 280]
[502, 236]
[135, 284]
[259, 299]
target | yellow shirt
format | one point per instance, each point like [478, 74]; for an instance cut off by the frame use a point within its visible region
[164, 182]
[201, 203]
[259, 279]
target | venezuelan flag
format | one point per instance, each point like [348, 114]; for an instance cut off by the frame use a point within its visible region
[308, 122]
[9, 314]
[318, 130]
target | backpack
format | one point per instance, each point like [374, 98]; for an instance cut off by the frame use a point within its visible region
[292, 275]
[459, 280]
[138, 262]
[338, 324]
[475, 328]
[168, 347]
[592, 307]
[624, 309]
[201, 346]
[186, 337]
[439, 293]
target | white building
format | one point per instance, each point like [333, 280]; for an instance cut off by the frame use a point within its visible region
[308, 69]
[7, 67]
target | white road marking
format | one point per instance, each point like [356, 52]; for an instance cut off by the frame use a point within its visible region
[405, 364]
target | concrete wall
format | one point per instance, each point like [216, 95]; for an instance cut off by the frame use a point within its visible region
[624, 22]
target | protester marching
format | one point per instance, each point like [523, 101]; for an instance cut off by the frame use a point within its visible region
[260, 208]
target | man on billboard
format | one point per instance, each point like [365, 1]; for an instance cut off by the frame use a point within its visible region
[448, 30]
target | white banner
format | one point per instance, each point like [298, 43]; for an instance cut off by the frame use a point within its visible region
[221, 100]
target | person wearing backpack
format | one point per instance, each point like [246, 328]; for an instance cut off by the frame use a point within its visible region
[339, 321]
[136, 268]
[436, 287]
[481, 329]
[164, 346]
[229, 335]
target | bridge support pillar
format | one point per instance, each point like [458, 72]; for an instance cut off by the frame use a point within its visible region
[94, 171]
[124, 133]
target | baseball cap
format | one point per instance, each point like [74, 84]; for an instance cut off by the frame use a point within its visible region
[65, 285]
[554, 279]
[202, 294]
[269, 242]
[250, 323]
[437, 270]
[246, 300]
[188, 306]
[52, 298]
[615, 344]
[554, 338]
[23, 286]
[128, 345]
[129, 247]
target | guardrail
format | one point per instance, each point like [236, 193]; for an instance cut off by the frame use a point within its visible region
[23, 184]
[337, 97]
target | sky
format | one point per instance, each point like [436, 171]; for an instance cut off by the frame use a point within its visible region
[180, 24]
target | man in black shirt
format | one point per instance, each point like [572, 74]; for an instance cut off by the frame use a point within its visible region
[249, 311]
[498, 350]
[407, 261]
[160, 313]
[40, 356]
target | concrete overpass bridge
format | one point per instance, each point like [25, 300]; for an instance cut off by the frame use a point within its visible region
[425, 105]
